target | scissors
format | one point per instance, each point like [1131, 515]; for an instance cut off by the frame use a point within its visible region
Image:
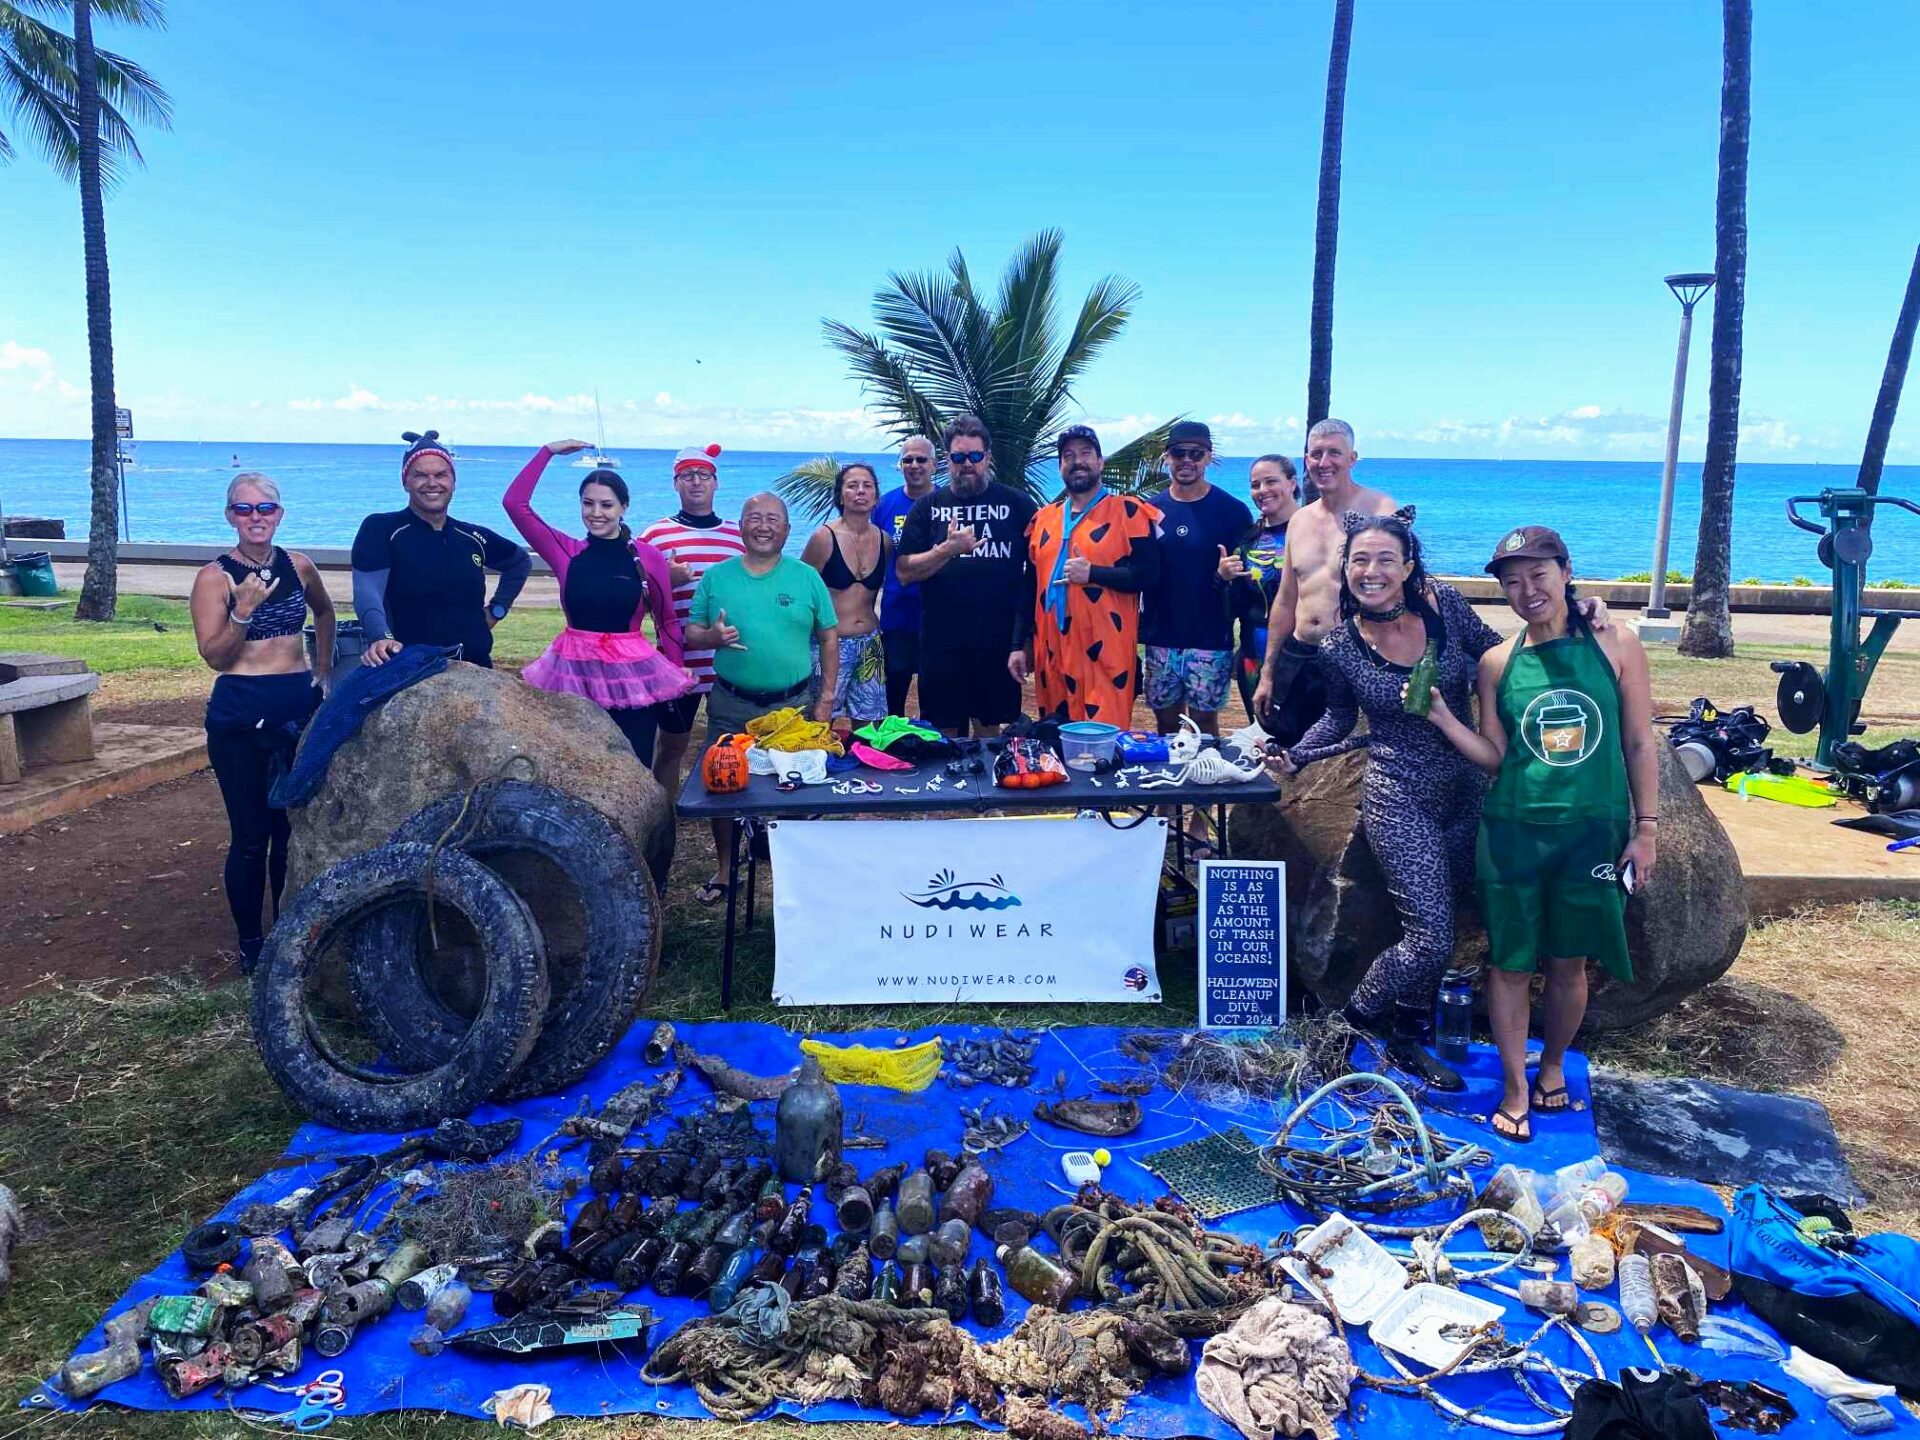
[319, 1400]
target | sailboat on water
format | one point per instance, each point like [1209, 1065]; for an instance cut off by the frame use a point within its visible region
[598, 456]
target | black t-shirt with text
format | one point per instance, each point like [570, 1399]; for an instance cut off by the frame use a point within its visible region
[1188, 609]
[970, 603]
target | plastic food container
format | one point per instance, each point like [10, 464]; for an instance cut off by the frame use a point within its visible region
[1412, 1324]
[1365, 1278]
[1092, 739]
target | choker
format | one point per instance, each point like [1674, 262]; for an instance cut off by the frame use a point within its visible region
[1384, 617]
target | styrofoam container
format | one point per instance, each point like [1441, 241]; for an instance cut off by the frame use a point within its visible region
[1364, 1277]
[1411, 1324]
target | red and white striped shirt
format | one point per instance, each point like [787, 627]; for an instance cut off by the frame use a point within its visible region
[699, 549]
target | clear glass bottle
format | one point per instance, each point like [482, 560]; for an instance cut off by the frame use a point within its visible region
[1039, 1277]
[1453, 1017]
[914, 1208]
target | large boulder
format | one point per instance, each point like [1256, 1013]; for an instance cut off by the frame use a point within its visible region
[1684, 927]
[456, 729]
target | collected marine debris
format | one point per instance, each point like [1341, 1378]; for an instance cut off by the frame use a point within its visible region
[905, 1067]
[985, 1130]
[1007, 1060]
[629, 1108]
[487, 1213]
[1279, 1370]
[728, 1080]
[529, 1334]
[1105, 1118]
[1232, 1068]
[1155, 1257]
[1339, 1153]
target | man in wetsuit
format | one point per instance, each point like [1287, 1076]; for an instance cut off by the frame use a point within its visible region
[420, 576]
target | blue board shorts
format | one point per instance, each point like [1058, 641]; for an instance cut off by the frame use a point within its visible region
[1198, 678]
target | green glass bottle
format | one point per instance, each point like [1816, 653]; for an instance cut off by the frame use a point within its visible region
[1420, 682]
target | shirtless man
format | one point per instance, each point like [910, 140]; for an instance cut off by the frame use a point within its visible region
[1290, 695]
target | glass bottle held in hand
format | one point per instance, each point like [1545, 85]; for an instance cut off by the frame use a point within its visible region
[1425, 671]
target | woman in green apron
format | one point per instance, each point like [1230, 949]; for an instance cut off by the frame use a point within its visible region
[1567, 831]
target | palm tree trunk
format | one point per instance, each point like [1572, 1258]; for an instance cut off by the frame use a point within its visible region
[1709, 627]
[99, 592]
[1891, 383]
[1326, 228]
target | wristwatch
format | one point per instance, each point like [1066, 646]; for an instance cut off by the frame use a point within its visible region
[497, 610]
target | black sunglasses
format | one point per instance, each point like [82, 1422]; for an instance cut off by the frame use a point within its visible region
[264, 507]
[966, 457]
[916, 459]
[1187, 452]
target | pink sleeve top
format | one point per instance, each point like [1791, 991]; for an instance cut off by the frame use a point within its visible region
[559, 549]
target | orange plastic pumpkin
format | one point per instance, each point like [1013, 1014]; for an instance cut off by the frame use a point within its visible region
[724, 767]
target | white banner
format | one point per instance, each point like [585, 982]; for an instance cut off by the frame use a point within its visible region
[917, 911]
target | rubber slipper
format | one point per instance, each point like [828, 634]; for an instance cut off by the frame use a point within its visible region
[1551, 1101]
[710, 894]
[1515, 1134]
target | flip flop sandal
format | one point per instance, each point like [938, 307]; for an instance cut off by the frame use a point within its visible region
[1514, 1134]
[1551, 1101]
[712, 893]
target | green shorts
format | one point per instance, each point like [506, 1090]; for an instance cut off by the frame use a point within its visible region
[1549, 890]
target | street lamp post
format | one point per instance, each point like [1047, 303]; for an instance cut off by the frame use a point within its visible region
[1687, 289]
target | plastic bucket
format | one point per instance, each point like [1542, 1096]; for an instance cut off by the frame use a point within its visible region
[1093, 739]
[348, 641]
[34, 570]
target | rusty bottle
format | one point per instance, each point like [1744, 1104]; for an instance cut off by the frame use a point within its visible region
[884, 1233]
[985, 1297]
[592, 1216]
[914, 1208]
[694, 1185]
[807, 1126]
[746, 1185]
[1039, 1277]
[669, 1173]
[824, 1275]
[970, 1193]
[672, 1268]
[448, 1307]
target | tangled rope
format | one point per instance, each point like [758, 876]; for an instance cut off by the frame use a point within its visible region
[478, 804]
[1387, 1162]
[1180, 1271]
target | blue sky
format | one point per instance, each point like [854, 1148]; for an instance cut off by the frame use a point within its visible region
[372, 216]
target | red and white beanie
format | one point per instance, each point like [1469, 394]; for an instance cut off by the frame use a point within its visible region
[697, 455]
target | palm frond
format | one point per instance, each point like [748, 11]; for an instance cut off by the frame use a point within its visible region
[1133, 469]
[44, 114]
[38, 83]
[808, 488]
[887, 381]
[149, 13]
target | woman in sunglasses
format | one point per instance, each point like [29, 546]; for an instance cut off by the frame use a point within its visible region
[249, 609]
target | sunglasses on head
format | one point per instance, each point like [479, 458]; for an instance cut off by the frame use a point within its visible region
[966, 457]
[1187, 452]
[249, 507]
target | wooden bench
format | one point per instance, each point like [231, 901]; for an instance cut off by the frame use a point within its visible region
[46, 712]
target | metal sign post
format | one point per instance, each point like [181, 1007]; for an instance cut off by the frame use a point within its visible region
[122, 431]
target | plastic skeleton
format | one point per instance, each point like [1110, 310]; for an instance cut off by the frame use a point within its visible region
[1198, 765]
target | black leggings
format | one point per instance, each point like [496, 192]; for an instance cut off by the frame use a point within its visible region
[901, 649]
[639, 726]
[253, 722]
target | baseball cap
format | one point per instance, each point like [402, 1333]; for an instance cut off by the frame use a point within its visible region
[1529, 542]
[1077, 432]
[1190, 432]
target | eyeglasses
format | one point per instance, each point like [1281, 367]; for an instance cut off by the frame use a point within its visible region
[1187, 452]
[263, 507]
[966, 457]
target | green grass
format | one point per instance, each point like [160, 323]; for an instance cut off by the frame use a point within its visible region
[152, 633]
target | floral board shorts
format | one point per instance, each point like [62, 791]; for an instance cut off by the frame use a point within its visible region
[1199, 678]
[860, 689]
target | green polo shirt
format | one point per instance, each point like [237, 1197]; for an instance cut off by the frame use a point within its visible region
[777, 615]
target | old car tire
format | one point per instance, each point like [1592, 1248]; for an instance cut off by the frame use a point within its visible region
[490, 1047]
[597, 977]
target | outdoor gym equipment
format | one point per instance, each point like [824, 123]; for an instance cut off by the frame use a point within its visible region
[1808, 697]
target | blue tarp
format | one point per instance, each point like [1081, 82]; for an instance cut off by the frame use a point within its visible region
[382, 1373]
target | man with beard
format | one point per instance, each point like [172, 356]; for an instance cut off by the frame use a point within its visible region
[965, 546]
[1189, 630]
[1090, 554]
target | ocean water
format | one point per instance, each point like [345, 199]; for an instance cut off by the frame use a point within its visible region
[1606, 510]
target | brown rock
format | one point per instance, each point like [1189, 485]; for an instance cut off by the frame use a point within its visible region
[1684, 928]
[456, 729]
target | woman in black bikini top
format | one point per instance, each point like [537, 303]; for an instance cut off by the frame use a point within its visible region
[834, 550]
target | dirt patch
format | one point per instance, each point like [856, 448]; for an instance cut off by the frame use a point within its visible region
[187, 710]
[128, 888]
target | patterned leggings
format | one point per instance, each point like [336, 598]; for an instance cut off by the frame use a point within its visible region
[1422, 831]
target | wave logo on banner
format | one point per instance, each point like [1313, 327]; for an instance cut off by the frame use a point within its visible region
[905, 911]
[943, 893]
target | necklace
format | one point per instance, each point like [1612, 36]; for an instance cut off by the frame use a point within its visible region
[262, 568]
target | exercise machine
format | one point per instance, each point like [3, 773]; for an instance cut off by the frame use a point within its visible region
[1831, 700]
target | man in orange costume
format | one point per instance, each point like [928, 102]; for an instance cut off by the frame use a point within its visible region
[1090, 554]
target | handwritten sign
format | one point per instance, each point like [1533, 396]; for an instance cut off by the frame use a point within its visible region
[1243, 943]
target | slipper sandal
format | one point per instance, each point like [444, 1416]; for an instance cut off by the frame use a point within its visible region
[711, 893]
[1514, 1133]
[1545, 1100]
[1198, 849]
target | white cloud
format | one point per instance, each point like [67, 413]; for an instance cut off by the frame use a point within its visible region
[15, 356]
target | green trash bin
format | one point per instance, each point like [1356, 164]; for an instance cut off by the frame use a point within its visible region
[35, 571]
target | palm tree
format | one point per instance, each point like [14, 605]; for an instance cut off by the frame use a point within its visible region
[942, 350]
[1326, 229]
[1892, 381]
[74, 101]
[1709, 628]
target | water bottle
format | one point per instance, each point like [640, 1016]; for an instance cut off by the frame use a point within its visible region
[1453, 1016]
[1636, 1292]
[1580, 1174]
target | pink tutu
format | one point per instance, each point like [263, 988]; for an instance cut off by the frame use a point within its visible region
[617, 672]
